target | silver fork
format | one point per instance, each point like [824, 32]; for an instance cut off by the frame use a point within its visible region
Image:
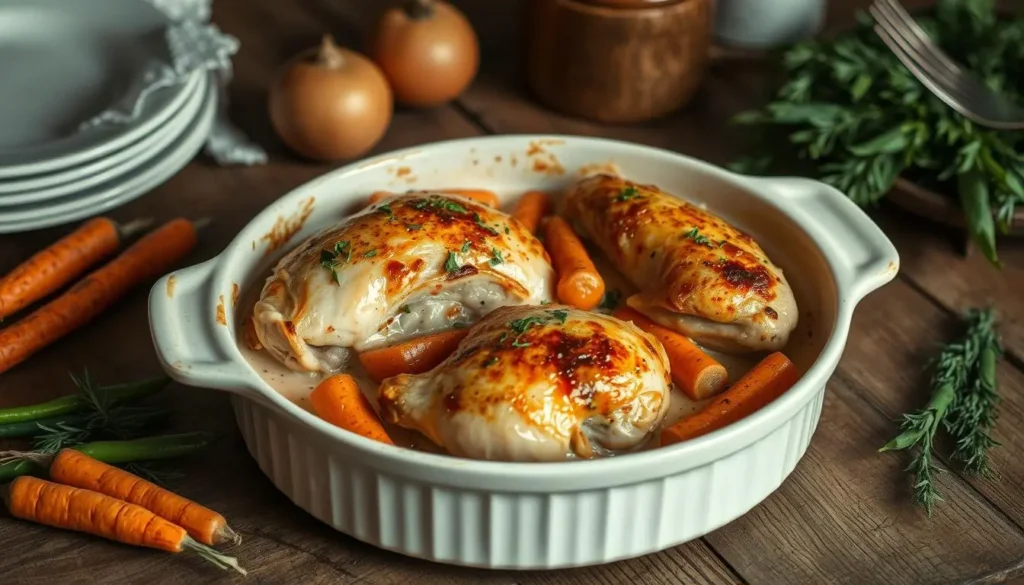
[960, 89]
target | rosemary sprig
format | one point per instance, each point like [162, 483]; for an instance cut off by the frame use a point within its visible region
[973, 412]
[963, 401]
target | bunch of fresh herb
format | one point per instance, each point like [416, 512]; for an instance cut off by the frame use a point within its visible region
[858, 119]
[963, 401]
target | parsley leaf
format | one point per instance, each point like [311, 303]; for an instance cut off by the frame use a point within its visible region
[386, 210]
[695, 235]
[330, 259]
[521, 325]
[487, 228]
[628, 193]
[413, 227]
[452, 263]
[370, 254]
[465, 247]
[561, 315]
[496, 257]
[490, 361]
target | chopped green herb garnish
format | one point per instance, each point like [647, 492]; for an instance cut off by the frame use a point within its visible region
[517, 343]
[370, 254]
[405, 309]
[506, 230]
[722, 243]
[386, 210]
[496, 257]
[504, 336]
[480, 222]
[542, 303]
[611, 300]
[521, 325]
[491, 361]
[413, 226]
[627, 194]
[452, 263]
[330, 259]
[465, 247]
[439, 203]
[561, 315]
[696, 236]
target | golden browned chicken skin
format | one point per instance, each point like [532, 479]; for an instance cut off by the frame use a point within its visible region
[409, 265]
[538, 383]
[696, 273]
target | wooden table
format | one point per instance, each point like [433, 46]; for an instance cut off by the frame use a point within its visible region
[844, 516]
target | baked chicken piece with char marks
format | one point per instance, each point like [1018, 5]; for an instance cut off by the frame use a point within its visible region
[545, 383]
[697, 274]
[406, 266]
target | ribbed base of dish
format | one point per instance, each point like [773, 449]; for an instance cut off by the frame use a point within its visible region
[513, 530]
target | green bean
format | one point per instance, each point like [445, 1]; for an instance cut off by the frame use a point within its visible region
[76, 402]
[113, 452]
[162, 447]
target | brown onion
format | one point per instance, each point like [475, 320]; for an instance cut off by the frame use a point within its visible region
[330, 103]
[428, 51]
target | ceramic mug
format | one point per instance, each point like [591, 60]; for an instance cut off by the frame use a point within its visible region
[759, 24]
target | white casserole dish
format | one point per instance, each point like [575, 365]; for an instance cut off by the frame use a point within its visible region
[530, 515]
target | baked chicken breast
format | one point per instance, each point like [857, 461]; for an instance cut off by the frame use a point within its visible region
[408, 265]
[545, 383]
[696, 274]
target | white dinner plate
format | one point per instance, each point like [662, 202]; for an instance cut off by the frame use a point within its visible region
[64, 61]
[82, 177]
[147, 177]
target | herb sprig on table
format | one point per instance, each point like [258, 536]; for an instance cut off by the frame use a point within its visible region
[858, 119]
[963, 401]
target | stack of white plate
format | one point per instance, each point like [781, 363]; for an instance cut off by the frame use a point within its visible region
[62, 62]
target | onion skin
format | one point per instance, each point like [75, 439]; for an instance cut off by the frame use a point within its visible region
[330, 103]
[428, 51]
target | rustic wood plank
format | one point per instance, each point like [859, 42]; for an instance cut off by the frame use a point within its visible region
[893, 337]
[843, 517]
[931, 260]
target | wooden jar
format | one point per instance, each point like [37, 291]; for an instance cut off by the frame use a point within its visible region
[617, 60]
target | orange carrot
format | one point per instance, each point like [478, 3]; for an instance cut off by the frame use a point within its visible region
[415, 356]
[59, 263]
[531, 208]
[762, 384]
[378, 196]
[146, 259]
[61, 506]
[695, 372]
[339, 401]
[579, 283]
[479, 195]
[74, 468]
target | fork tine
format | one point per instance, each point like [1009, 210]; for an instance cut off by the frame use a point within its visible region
[903, 18]
[928, 54]
[964, 88]
[925, 79]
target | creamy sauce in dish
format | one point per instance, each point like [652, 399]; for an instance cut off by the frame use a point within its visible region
[296, 386]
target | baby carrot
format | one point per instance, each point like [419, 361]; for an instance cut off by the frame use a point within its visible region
[762, 384]
[697, 374]
[74, 468]
[72, 508]
[479, 195]
[339, 401]
[144, 260]
[579, 283]
[418, 355]
[66, 259]
[531, 208]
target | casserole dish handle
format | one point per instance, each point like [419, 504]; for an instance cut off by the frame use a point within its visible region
[186, 324]
[862, 255]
